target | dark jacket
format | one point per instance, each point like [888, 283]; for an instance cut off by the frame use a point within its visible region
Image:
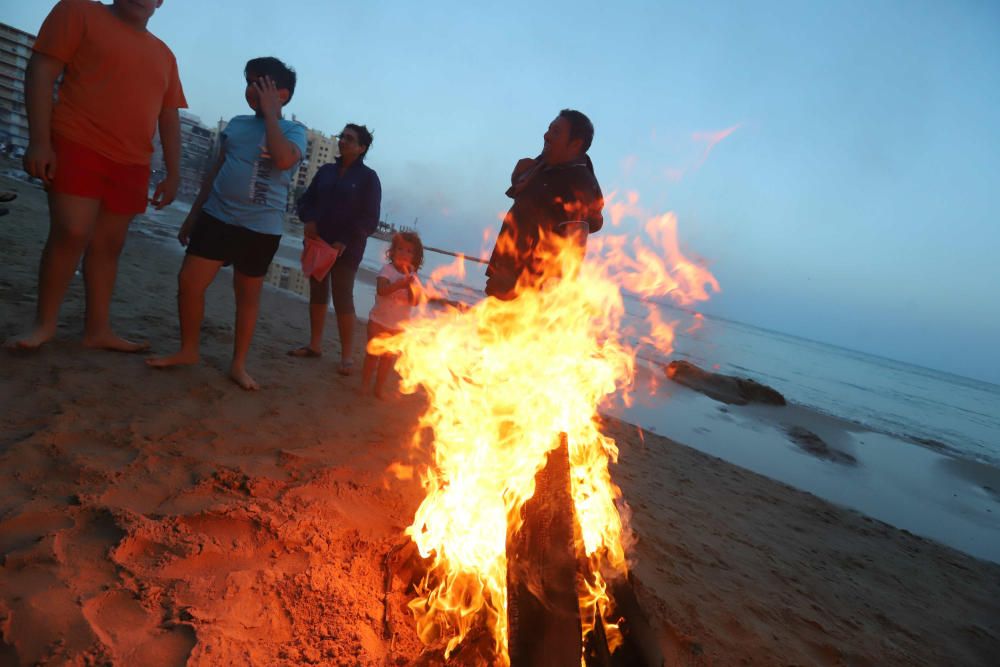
[545, 198]
[345, 208]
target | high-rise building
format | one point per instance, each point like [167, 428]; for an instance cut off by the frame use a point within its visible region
[196, 154]
[320, 149]
[288, 277]
[15, 51]
[197, 149]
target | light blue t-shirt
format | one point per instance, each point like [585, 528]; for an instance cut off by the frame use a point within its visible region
[249, 191]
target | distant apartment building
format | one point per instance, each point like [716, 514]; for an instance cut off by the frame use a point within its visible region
[197, 142]
[15, 51]
[320, 149]
[197, 148]
[286, 277]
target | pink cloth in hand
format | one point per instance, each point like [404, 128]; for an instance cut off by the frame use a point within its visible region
[318, 257]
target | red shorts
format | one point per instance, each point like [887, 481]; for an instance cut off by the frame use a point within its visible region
[80, 171]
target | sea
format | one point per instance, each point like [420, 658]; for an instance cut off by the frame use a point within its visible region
[955, 415]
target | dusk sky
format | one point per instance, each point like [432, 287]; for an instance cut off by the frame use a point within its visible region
[853, 202]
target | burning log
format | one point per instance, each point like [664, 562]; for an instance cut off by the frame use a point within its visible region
[639, 646]
[543, 580]
[543, 611]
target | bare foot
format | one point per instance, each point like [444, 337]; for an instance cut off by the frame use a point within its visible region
[179, 359]
[29, 343]
[243, 379]
[110, 341]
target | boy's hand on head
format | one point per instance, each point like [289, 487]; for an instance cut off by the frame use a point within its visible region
[267, 95]
[40, 162]
[165, 192]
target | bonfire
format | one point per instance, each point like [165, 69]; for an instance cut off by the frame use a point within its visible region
[523, 530]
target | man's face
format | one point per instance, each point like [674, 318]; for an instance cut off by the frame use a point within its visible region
[349, 145]
[138, 10]
[558, 147]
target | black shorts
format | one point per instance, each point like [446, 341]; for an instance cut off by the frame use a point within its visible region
[248, 251]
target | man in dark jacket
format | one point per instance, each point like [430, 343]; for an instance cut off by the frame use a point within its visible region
[557, 202]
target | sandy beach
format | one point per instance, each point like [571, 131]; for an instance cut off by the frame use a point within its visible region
[170, 518]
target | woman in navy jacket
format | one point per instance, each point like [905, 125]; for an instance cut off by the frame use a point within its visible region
[341, 206]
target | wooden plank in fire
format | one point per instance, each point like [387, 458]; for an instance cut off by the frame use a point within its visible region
[543, 611]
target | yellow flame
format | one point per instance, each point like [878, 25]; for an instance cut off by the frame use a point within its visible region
[504, 379]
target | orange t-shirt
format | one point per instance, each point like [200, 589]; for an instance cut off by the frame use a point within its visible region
[116, 82]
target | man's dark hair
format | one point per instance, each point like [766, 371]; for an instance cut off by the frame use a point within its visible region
[282, 74]
[580, 127]
[365, 136]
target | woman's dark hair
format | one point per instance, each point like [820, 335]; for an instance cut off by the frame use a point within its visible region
[580, 127]
[282, 74]
[414, 240]
[365, 136]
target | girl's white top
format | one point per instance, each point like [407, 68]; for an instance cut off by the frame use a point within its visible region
[394, 308]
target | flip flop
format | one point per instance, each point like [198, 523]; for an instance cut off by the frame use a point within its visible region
[7, 196]
[305, 352]
[346, 367]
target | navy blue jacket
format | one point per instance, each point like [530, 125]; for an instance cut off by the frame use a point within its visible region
[345, 208]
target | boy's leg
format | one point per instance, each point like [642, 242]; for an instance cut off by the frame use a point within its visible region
[247, 291]
[194, 278]
[100, 269]
[71, 224]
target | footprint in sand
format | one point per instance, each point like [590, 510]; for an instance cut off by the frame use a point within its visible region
[134, 634]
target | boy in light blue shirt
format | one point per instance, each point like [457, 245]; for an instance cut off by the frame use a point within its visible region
[239, 214]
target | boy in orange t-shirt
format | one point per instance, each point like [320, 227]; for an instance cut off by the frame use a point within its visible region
[92, 149]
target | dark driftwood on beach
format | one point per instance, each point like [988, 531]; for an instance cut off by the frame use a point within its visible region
[813, 444]
[725, 388]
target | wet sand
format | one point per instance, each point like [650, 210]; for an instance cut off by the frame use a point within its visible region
[170, 518]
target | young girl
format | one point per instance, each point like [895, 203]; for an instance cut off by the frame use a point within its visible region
[396, 290]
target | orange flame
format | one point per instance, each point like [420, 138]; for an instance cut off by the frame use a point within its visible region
[504, 379]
